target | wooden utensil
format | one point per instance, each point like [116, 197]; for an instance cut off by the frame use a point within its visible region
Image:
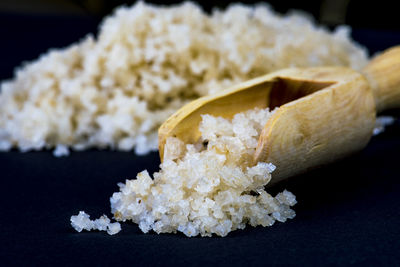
[325, 113]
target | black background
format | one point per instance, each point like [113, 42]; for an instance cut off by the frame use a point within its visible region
[348, 212]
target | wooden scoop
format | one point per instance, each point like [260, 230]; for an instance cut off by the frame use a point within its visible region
[324, 114]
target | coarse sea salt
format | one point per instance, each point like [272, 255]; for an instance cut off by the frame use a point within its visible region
[114, 90]
[382, 122]
[209, 187]
[61, 151]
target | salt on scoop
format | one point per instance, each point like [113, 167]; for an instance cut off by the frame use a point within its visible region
[209, 187]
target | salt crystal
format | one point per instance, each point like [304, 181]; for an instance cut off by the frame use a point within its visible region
[61, 151]
[101, 223]
[381, 123]
[81, 222]
[287, 198]
[113, 228]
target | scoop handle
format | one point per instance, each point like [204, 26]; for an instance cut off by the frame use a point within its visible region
[383, 75]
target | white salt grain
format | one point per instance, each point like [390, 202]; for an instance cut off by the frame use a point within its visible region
[381, 123]
[114, 90]
[113, 228]
[81, 222]
[61, 151]
[101, 223]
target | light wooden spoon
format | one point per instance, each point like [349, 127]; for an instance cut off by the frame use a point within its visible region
[325, 113]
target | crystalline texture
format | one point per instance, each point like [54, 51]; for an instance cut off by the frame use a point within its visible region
[206, 190]
[114, 90]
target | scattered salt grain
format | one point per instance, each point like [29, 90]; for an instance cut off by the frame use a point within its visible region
[82, 221]
[61, 151]
[101, 223]
[113, 228]
[381, 123]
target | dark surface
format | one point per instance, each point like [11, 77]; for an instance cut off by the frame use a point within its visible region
[348, 213]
